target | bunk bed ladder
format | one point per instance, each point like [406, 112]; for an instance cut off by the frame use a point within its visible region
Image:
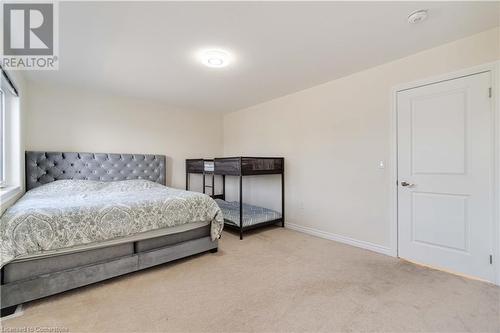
[212, 186]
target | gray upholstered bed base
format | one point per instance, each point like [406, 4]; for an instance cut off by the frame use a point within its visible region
[33, 279]
[22, 283]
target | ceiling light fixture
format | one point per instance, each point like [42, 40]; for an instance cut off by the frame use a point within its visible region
[417, 16]
[215, 58]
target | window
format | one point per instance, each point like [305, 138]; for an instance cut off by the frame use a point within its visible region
[2, 139]
[10, 141]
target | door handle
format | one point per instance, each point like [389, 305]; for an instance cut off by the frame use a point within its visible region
[406, 184]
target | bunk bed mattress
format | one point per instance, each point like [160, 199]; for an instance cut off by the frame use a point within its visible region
[252, 215]
[69, 213]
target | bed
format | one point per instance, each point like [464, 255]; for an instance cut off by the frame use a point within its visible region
[252, 215]
[237, 214]
[241, 216]
[88, 217]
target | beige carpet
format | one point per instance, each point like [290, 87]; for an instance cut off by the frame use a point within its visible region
[275, 280]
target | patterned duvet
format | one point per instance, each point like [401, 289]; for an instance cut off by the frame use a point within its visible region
[67, 213]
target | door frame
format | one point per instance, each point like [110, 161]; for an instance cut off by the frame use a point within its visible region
[494, 68]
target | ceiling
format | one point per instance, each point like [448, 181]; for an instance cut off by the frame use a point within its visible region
[147, 49]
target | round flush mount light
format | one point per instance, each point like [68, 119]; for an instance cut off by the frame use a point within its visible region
[215, 58]
[417, 16]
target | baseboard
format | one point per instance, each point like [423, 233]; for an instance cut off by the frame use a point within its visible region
[342, 239]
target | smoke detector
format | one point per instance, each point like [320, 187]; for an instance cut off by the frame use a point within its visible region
[417, 16]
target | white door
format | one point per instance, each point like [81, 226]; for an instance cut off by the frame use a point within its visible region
[445, 175]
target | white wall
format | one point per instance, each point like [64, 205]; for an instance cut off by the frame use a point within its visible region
[333, 137]
[69, 119]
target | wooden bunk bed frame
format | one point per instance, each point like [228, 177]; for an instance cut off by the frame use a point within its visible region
[240, 167]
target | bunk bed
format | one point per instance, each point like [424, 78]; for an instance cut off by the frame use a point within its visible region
[238, 215]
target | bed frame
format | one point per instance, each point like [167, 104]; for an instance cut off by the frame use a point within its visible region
[24, 281]
[251, 166]
[240, 167]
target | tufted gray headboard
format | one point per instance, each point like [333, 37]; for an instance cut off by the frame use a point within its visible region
[46, 167]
